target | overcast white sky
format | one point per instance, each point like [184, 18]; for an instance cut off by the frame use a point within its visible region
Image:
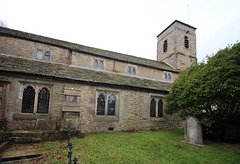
[125, 26]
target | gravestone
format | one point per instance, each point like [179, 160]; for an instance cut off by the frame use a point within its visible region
[193, 131]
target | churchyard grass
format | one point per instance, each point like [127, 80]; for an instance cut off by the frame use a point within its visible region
[141, 147]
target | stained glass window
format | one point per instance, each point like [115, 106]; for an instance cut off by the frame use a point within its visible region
[111, 104]
[43, 101]
[101, 104]
[153, 108]
[28, 100]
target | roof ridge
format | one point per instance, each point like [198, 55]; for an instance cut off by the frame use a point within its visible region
[86, 49]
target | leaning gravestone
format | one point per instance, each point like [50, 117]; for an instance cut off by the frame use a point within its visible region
[193, 131]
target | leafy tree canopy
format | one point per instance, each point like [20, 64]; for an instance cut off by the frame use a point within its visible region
[207, 89]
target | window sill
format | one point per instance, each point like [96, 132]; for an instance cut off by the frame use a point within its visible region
[30, 116]
[106, 118]
[158, 119]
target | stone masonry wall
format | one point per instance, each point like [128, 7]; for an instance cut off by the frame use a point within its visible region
[84, 60]
[177, 55]
[29, 49]
[132, 111]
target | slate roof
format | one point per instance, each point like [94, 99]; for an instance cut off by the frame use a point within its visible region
[88, 50]
[65, 72]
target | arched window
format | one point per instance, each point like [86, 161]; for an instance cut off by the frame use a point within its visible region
[43, 101]
[47, 56]
[134, 70]
[111, 104]
[186, 42]
[39, 54]
[28, 100]
[101, 104]
[95, 63]
[101, 65]
[153, 108]
[160, 108]
[169, 76]
[129, 69]
[165, 46]
[165, 75]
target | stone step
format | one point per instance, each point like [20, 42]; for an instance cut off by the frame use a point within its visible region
[26, 139]
[32, 134]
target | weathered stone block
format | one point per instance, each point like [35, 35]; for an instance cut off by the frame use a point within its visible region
[193, 131]
[46, 124]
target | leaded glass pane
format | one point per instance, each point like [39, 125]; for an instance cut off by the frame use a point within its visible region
[134, 70]
[101, 65]
[160, 108]
[28, 100]
[47, 56]
[111, 105]
[169, 76]
[95, 63]
[43, 101]
[39, 55]
[129, 69]
[153, 108]
[101, 104]
[165, 75]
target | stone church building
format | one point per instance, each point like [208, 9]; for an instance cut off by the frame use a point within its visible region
[48, 84]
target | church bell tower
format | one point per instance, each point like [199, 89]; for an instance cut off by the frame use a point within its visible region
[176, 45]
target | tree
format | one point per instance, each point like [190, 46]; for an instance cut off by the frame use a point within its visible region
[210, 92]
[3, 24]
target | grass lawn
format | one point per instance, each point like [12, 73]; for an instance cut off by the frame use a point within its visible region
[143, 147]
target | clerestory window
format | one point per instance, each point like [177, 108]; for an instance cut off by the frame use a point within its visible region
[98, 64]
[167, 76]
[95, 64]
[43, 54]
[39, 54]
[101, 65]
[131, 70]
[47, 55]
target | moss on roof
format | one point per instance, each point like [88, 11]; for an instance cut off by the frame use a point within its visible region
[32, 67]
